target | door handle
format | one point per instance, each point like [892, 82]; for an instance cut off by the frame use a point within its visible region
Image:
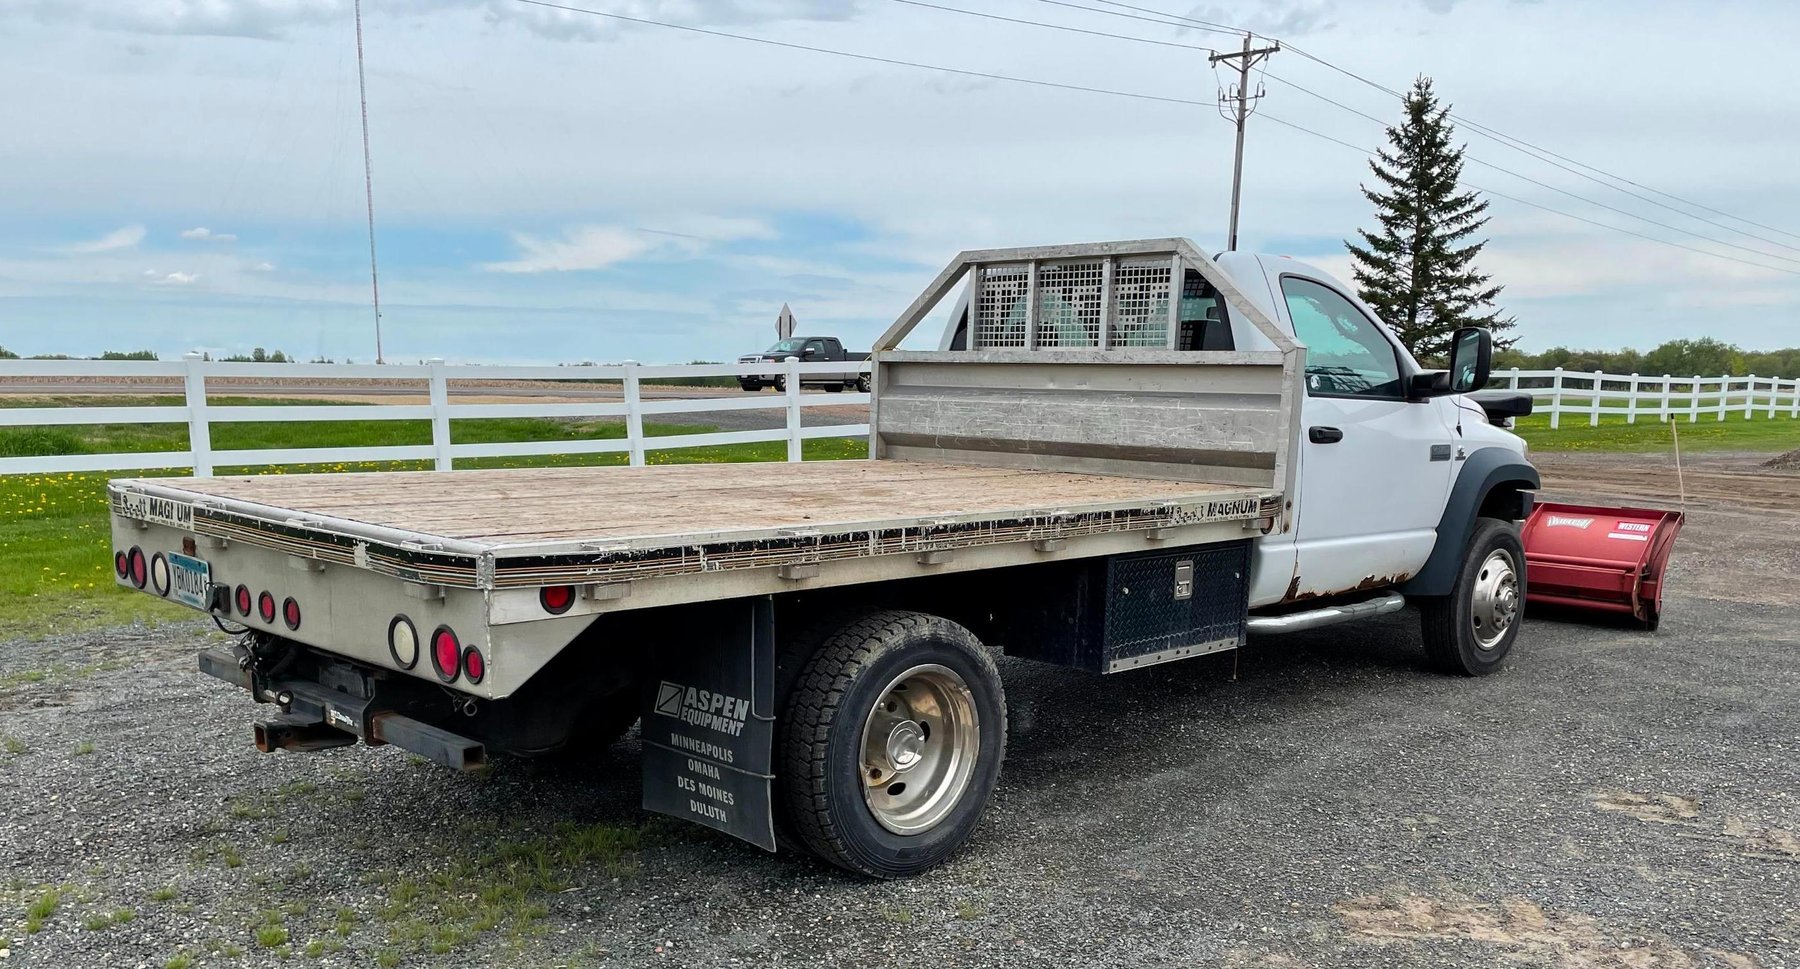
[1324, 435]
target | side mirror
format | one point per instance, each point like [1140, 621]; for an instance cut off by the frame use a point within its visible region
[1471, 359]
[809, 351]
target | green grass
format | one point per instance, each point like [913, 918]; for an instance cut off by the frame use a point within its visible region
[56, 539]
[1650, 434]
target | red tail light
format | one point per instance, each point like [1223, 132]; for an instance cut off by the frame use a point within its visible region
[243, 601]
[290, 613]
[140, 570]
[446, 654]
[121, 564]
[474, 667]
[557, 599]
[265, 606]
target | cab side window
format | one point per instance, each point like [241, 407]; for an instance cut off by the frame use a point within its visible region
[1346, 356]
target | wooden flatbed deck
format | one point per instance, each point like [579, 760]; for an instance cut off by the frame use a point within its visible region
[532, 506]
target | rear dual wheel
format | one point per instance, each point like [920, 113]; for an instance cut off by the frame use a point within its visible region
[890, 744]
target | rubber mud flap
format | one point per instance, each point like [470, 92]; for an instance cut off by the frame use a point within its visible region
[709, 723]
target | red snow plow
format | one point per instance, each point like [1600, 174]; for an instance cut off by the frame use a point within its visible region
[1599, 558]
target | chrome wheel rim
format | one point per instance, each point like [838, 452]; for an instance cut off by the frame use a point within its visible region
[920, 741]
[1495, 605]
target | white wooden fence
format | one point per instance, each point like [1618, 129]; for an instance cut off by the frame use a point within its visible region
[1591, 394]
[432, 378]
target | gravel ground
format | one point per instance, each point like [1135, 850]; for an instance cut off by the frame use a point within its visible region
[1611, 798]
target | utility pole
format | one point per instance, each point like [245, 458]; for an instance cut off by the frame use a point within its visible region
[362, 93]
[1240, 101]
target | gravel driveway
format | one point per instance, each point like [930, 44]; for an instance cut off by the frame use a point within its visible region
[1610, 799]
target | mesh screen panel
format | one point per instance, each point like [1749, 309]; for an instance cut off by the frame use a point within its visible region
[1069, 304]
[1000, 310]
[1141, 303]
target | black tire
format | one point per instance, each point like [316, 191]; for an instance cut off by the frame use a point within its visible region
[834, 388]
[863, 384]
[820, 760]
[1458, 634]
[780, 385]
[751, 386]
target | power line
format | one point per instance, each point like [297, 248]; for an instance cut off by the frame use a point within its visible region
[1517, 144]
[1165, 23]
[1562, 191]
[1064, 27]
[1094, 90]
[1554, 211]
[863, 57]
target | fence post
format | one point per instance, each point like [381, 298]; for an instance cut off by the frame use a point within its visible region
[634, 414]
[440, 415]
[1631, 402]
[1749, 396]
[1694, 400]
[199, 432]
[1774, 391]
[1594, 406]
[793, 408]
[1512, 380]
[1556, 398]
[1665, 399]
[1724, 388]
[1794, 411]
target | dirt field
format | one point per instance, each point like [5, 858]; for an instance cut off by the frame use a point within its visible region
[1612, 799]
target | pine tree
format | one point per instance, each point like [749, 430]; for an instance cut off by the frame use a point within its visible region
[1418, 271]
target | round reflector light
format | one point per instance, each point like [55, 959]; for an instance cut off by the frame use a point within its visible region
[265, 606]
[446, 654]
[159, 574]
[556, 599]
[140, 570]
[474, 667]
[403, 642]
[290, 613]
[121, 564]
[243, 600]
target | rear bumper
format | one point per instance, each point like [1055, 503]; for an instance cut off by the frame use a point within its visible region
[317, 716]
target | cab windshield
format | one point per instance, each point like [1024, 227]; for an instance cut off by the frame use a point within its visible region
[789, 345]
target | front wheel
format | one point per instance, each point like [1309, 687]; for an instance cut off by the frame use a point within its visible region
[890, 744]
[751, 386]
[863, 384]
[781, 385]
[1469, 631]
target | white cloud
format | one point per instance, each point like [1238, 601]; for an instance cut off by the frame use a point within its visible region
[124, 237]
[203, 234]
[174, 279]
[592, 247]
[600, 246]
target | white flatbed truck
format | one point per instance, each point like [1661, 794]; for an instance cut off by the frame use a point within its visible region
[1120, 454]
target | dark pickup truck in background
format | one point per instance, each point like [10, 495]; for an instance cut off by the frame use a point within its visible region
[809, 349]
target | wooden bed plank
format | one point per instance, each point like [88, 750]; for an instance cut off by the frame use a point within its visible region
[526, 505]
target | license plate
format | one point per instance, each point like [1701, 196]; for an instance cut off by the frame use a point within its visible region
[190, 579]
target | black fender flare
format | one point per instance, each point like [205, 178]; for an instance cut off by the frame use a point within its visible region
[1485, 470]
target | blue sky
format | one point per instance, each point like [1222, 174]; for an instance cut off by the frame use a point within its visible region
[187, 174]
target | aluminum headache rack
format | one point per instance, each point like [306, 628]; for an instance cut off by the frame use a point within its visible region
[1093, 358]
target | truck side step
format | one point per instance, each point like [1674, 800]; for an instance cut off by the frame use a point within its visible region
[1293, 622]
